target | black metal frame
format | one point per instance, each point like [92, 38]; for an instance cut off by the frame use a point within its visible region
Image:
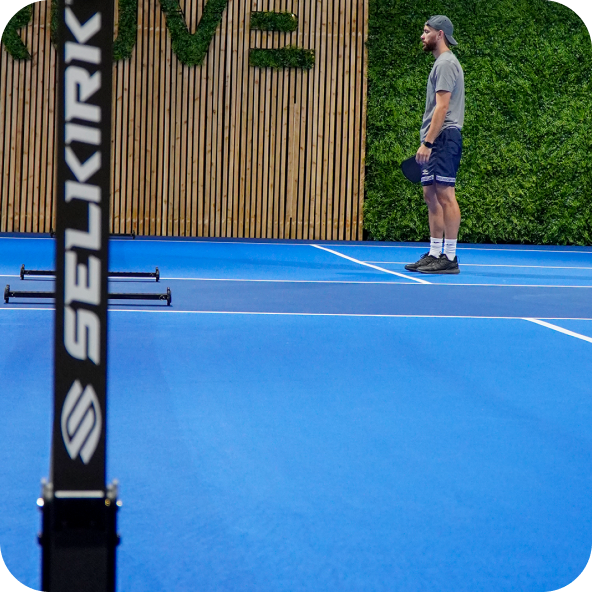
[8, 294]
[123, 274]
[72, 522]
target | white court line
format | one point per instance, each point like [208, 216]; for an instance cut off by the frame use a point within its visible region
[560, 329]
[332, 314]
[407, 277]
[198, 279]
[461, 248]
[6, 307]
[166, 310]
[303, 244]
[492, 265]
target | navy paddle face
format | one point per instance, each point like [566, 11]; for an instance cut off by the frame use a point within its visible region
[411, 170]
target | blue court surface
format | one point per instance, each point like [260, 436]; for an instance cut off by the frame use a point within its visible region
[312, 417]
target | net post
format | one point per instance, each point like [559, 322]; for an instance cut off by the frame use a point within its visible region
[79, 511]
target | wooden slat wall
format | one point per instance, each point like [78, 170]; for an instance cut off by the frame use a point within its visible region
[27, 124]
[223, 149]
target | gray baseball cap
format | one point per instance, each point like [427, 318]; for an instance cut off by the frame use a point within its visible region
[443, 23]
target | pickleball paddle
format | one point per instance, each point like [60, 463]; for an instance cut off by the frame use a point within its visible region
[411, 170]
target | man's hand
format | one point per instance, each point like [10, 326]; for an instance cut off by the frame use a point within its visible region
[423, 155]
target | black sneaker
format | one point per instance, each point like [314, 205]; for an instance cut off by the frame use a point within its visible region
[423, 260]
[440, 265]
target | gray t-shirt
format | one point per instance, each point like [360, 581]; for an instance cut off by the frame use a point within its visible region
[447, 74]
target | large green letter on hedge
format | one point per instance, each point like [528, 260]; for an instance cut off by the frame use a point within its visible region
[192, 49]
[10, 38]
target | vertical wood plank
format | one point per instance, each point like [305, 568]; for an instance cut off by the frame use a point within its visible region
[116, 141]
[360, 120]
[218, 54]
[18, 110]
[300, 117]
[44, 48]
[251, 114]
[348, 115]
[5, 97]
[52, 142]
[341, 134]
[235, 38]
[36, 112]
[28, 132]
[243, 129]
[203, 209]
[141, 130]
[227, 94]
[313, 107]
[175, 176]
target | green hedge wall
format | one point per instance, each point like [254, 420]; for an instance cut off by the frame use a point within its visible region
[526, 172]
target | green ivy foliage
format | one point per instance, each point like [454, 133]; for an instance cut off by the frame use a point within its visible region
[11, 39]
[126, 30]
[526, 172]
[286, 57]
[55, 22]
[274, 21]
[192, 49]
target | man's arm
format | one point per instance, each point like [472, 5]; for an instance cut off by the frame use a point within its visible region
[442, 104]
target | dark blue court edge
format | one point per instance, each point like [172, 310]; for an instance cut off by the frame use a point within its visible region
[384, 299]
[79, 532]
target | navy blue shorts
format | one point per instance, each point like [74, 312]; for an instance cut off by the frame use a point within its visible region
[444, 160]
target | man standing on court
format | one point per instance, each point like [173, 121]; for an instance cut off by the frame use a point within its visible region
[441, 147]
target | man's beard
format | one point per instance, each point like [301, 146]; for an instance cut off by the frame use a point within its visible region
[429, 46]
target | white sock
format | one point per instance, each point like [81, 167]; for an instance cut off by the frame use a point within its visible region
[436, 246]
[450, 248]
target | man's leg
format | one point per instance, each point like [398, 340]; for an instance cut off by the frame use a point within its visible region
[446, 197]
[435, 211]
[451, 213]
[436, 220]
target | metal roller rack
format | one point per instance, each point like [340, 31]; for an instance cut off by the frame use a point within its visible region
[123, 274]
[8, 294]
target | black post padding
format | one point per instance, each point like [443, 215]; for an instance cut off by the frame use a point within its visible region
[6, 294]
[78, 546]
[78, 530]
[23, 271]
